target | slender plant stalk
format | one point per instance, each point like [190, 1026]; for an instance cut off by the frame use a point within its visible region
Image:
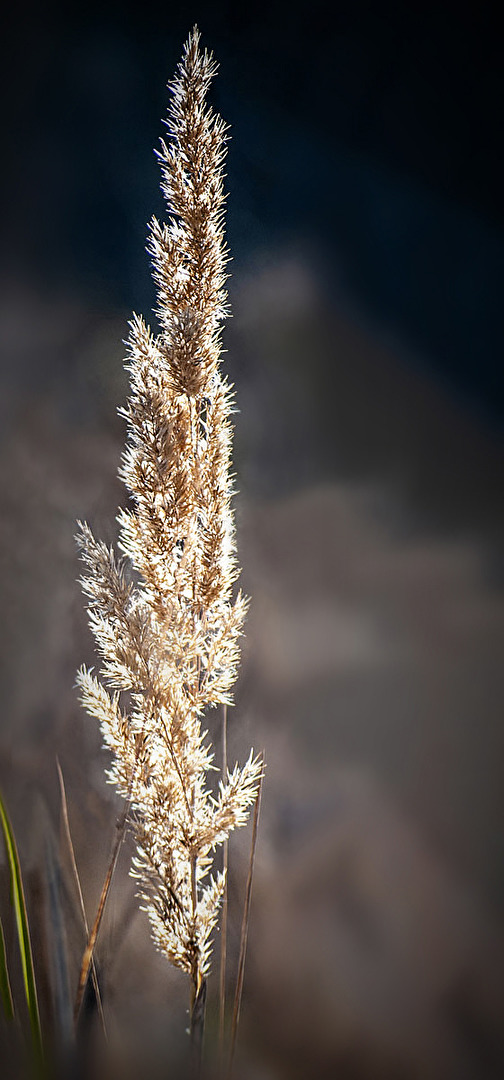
[87, 958]
[244, 933]
[224, 916]
[197, 1027]
[68, 835]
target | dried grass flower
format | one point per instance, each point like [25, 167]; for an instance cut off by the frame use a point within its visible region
[164, 614]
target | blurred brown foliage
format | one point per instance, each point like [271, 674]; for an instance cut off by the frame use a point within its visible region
[372, 676]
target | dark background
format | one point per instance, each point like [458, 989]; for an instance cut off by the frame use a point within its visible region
[371, 131]
[366, 227]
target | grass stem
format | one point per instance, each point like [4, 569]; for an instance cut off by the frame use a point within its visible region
[68, 835]
[197, 1027]
[92, 938]
[244, 932]
[223, 948]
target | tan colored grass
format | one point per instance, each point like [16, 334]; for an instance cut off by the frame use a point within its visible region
[164, 615]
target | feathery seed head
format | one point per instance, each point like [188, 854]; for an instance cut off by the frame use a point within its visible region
[164, 619]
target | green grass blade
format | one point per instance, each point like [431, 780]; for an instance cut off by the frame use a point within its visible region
[22, 930]
[5, 990]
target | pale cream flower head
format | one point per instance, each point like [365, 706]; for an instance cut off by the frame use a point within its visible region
[164, 618]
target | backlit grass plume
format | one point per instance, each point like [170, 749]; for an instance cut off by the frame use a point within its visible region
[163, 615]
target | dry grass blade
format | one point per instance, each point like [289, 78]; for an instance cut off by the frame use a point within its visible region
[68, 835]
[87, 958]
[223, 950]
[244, 931]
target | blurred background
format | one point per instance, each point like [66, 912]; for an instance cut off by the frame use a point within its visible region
[366, 226]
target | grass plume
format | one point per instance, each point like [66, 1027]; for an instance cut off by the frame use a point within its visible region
[164, 613]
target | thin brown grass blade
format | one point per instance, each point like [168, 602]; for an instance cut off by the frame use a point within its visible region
[68, 835]
[89, 950]
[223, 940]
[244, 931]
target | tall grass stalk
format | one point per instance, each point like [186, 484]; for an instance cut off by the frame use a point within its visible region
[224, 917]
[244, 933]
[164, 614]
